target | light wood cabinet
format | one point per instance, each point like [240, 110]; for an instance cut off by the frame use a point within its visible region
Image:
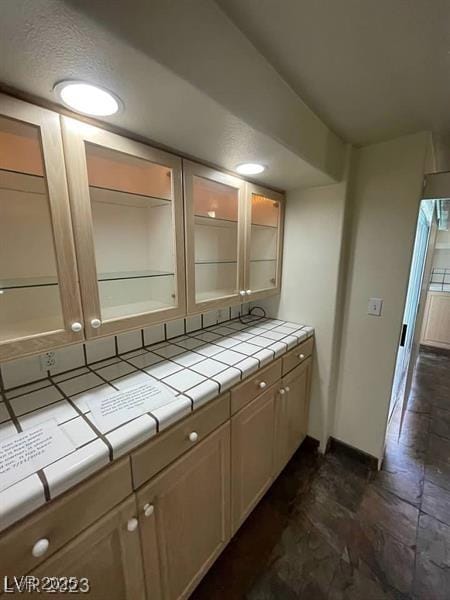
[184, 518]
[107, 555]
[39, 297]
[127, 206]
[436, 320]
[292, 413]
[252, 454]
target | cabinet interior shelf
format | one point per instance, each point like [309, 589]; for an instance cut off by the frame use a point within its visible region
[207, 221]
[263, 226]
[216, 262]
[130, 199]
[263, 260]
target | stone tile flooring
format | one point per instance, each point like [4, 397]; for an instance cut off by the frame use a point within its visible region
[331, 528]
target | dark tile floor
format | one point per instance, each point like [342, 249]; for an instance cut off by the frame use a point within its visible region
[331, 528]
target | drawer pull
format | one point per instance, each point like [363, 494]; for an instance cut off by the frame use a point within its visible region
[76, 327]
[193, 436]
[248, 292]
[132, 524]
[282, 392]
[40, 548]
[149, 509]
[95, 323]
[287, 388]
[242, 292]
[301, 356]
[262, 385]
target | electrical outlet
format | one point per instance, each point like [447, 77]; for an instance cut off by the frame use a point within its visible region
[48, 361]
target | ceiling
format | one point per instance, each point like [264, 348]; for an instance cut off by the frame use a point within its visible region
[371, 69]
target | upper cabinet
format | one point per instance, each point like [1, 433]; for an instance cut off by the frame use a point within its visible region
[39, 297]
[215, 226]
[127, 208]
[233, 239]
[264, 241]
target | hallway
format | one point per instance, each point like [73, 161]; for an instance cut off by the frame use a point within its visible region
[331, 528]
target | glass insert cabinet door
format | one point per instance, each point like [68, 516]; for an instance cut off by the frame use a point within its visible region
[40, 303]
[214, 212]
[127, 207]
[265, 217]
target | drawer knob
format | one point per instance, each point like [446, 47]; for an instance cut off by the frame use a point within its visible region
[76, 327]
[262, 385]
[282, 391]
[132, 524]
[40, 547]
[95, 323]
[193, 436]
[301, 356]
[248, 292]
[242, 292]
[287, 388]
[149, 509]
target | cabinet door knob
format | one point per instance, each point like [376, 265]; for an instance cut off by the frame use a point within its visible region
[132, 524]
[262, 385]
[76, 327]
[282, 391]
[40, 547]
[301, 356]
[193, 436]
[95, 323]
[287, 388]
[248, 292]
[242, 292]
[149, 509]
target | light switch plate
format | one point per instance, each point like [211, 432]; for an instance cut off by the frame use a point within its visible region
[375, 306]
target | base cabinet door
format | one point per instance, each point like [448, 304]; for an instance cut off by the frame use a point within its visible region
[185, 518]
[252, 454]
[292, 412]
[105, 558]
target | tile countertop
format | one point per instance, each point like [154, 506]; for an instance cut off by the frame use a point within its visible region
[196, 367]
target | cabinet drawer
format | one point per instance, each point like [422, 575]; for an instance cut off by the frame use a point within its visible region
[158, 453]
[63, 519]
[243, 393]
[297, 355]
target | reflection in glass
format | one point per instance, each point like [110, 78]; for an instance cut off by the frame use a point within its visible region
[264, 243]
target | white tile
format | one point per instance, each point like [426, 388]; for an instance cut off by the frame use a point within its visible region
[172, 412]
[79, 431]
[208, 336]
[227, 342]
[278, 347]
[73, 468]
[262, 342]
[35, 400]
[133, 353]
[236, 325]
[284, 329]
[131, 434]
[246, 348]
[188, 359]
[290, 340]
[264, 356]
[7, 429]
[20, 499]
[169, 351]
[153, 334]
[210, 318]
[193, 323]
[175, 328]
[31, 387]
[145, 360]
[100, 349]
[80, 400]
[71, 357]
[190, 343]
[21, 371]
[131, 380]
[273, 335]
[203, 393]
[183, 380]
[163, 370]
[59, 411]
[105, 363]
[4, 414]
[80, 384]
[223, 315]
[257, 330]
[208, 367]
[209, 350]
[242, 336]
[248, 365]
[245, 308]
[70, 374]
[227, 378]
[230, 357]
[115, 371]
[223, 330]
[129, 341]
[235, 311]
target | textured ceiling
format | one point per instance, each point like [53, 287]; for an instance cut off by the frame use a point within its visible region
[372, 70]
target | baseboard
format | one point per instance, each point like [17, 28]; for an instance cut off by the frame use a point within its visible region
[434, 350]
[366, 459]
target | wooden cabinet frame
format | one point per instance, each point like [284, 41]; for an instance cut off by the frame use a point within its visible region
[55, 178]
[251, 189]
[191, 170]
[75, 134]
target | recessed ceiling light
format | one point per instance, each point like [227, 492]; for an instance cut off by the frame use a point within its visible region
[87, 98]
[250, 168]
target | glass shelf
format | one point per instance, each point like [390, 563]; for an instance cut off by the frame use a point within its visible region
[124, 198]
[214, 221]
[263, 260]
[262, 226]
[216, 262]
[133, 275]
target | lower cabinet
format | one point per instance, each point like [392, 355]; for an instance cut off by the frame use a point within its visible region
[252, 454]
[292, 413]
[106, 557]
[184, 518]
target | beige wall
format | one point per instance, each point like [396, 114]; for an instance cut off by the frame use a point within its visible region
[386, 191]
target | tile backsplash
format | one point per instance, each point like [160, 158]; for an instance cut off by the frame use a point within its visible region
[27, 370]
